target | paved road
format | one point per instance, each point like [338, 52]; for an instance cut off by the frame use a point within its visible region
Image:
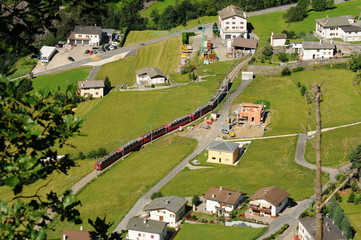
[204, 143]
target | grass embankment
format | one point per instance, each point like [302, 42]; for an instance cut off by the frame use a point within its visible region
[209, 232]
[336, 146]
[289, 110]
[135, 37]
[353, 212]
[114, 192]
[274, 22]
[266, 163]
[165, 55]
[23, 67]
[61, 80]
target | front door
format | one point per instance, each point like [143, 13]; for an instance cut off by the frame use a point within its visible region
[160, 218]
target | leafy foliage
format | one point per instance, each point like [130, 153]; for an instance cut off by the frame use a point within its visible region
[286, 71]
[195, 200]
[283, 57]
[101, 228]
[295, 14]
[355, 157]
[267, 50]
[32, 127]
[156, 195]
[322, 5]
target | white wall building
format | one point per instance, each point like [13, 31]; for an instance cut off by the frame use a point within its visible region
[149, 76]
[343, 27]
[307, 229]
[268, 201]
[140, 229]
[46, 54]
[91, 87]
[86, 35]
[167, 209]
[350, 33]
[223, 201]
[316, 50]
[278, 40]
[232, 22]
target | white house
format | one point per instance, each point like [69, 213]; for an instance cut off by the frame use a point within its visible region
[46, 54]
[140, 229]
[268, 201]
[232, 22]
[149, 76]
[91, 87]
[278, 40]
[86, 35]
[223, 201]
[307, 229]
[350, 33]
[167, 209]
[316, 50]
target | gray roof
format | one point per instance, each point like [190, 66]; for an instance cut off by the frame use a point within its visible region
[330, 230]
[109, 31]
[231, 11]
[150, 71]
[317, 45]
[223, 146]
[351, 28]
[88, 30]
[150, 226]
[171, 203]
[91, 84]
[333, 21]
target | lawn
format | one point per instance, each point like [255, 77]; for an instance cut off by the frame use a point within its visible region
[23, 67]
[165, 55]
[209, 232]
[265, 163]
[115, 191]
[288, 108]
[122, 116]
[336, 146]
[197, 22]
[60, 80]
[135, 37]
[353, 212]
[273, 22]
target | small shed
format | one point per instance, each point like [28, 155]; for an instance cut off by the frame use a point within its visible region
[244, 46]
[246, 76]
[278, 40]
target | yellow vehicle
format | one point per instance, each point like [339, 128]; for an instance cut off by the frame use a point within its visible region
[232, 134]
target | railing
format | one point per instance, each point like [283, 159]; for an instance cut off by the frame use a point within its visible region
[258, 209]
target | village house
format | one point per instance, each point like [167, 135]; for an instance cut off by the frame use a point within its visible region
[329, 27]
[86, 35]
[167, 209]
[350, 33]
[75, 235]
[149, 76]
[278, 40]
[268, 201]
[232, 22]
[223, 201]
[244, 47]
[223, 152]
[94, 88]
[140, 229]
[250, 112]
[307, 229]
[316, 50]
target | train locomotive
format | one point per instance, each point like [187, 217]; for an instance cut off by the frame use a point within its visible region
[137, 143]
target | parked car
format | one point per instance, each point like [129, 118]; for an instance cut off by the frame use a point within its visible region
[103, 49]
[90, 52]
[111, 47]
[86, 51]
[71, 59]
[141, 44]
[100, 50]
[107, 48]
[95, 51]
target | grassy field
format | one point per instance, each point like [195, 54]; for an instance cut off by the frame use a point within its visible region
[353, 212]
[273, 22]
[60, 80]
[23, 67]
[165, 55]
[210, 232]
[135, 37]
[197, 22]
[336, 146]
[266, 163]
[114, 192]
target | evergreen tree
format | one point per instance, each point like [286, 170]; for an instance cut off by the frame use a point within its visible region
[319, 5]
[346, 228]
[355, 156]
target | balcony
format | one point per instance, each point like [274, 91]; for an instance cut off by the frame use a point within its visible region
[260, 209]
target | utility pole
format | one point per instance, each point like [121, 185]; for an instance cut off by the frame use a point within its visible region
[318, 187]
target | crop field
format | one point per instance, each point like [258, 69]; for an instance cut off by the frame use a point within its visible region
[210, 232]
[265, 163]
[135, 37]
[60, 80]
[274, 22]
[165, 55]
[115, 191]
[336, 146]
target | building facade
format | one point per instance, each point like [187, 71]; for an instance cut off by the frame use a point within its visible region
[86, 35]
[232, 22]
[149, 76]
[140, 229]
[223, 152]
[250, 112]
[94, 88]
[278, 40]
[316, 50]
[307, 229]
[343, 27]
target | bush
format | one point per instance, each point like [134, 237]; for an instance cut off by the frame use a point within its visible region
[267, 51]
[286, 71]
[283, 57]
[351, 198]
[304, 214]
[188, 68]
[196, 201]
[81, 156]
[298, 69]
[156, 195]
[152, 85]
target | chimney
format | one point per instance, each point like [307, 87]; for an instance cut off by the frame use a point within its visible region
[221, 188]
[167, 201]
[320, 41]
[81, 228]
[213, 195]
[65, 237]
[145, 221]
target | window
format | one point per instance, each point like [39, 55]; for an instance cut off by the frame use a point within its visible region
[227, 28]
[213, 158]
[80, 35]
[139, 235]
[233, 27]
[143, 235]
[151, 236]
[227, 22]
[241, 22]
[241, 27]
[233, 22]
[87, 36]
[97, 93]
